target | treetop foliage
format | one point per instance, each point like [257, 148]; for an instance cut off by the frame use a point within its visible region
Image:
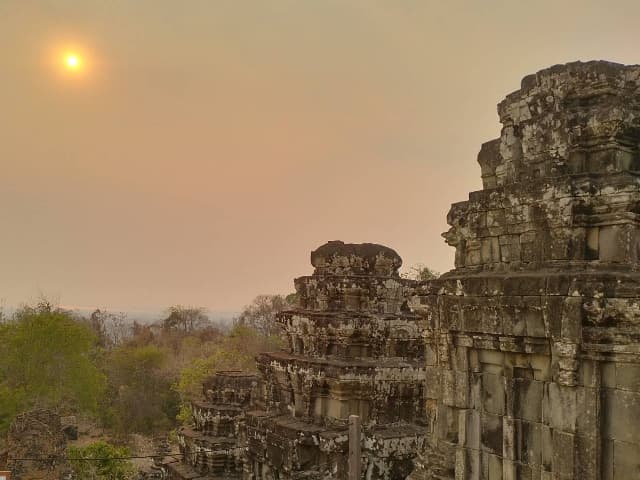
[48, 361]
[186, 319]
[102, 461]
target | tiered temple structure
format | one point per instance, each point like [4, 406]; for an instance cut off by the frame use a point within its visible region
[355, 348]
[533, 353]
[214, 446]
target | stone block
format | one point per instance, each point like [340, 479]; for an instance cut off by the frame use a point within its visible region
[612, 244]
[587, 420]
[559, 407]
[447, 426]
[619, 408]
[494, 469]
[572, 319]
[533, 317]
[509, 470]
[491, 435]
[586, 457]
[527, 399]
[606, 462]
[512, 322]
[608, 374]
[469, 423]
[432, 385]
[546, 436]
[628, 376]
[490, 250]
[563, 453]
[493, 393]
[626, 460]
[529, 443]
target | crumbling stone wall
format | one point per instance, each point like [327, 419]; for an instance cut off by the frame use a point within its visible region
[36, 445]
[533, 365]
[355, 348]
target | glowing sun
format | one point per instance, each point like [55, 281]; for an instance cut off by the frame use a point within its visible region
[72, 62]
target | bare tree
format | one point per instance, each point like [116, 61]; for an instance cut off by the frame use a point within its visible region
[421, 272]
[111, 328]
[261, 313]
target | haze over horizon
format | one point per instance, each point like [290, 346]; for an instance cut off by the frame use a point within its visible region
[208, 147]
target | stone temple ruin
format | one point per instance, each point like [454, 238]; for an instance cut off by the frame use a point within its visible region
[213, 447]
[522, 363]
[532, 345]
[355, 348]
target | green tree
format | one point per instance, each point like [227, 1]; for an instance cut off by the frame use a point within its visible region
[100, 461]
[236, 352]
[185, 319]
[142, 397]
[49, 360]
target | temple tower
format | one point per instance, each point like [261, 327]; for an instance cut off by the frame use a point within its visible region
[532, 345]
[355, 348]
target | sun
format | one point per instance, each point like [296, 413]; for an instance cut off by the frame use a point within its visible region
[72, 61]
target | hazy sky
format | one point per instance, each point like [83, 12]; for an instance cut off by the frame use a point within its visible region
[209, 146]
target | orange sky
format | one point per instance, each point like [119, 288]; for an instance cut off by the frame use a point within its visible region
[209, 146]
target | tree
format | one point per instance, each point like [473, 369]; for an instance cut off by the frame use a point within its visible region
[111, 328]
[261, 314]
[142, 397]
[186, 319]
[100, 461]
[48, 360]
[421, 272]
[237, 351]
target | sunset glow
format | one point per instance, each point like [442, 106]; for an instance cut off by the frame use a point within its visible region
[72, 62]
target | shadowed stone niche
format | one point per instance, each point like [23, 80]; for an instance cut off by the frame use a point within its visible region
[532, 342]
[355, 348]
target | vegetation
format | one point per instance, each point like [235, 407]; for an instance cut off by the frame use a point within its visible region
[235, 352]
[100, 461]
[131, 378]
[421, 272]
[261, 313]
[141, 396]
[49, 359]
